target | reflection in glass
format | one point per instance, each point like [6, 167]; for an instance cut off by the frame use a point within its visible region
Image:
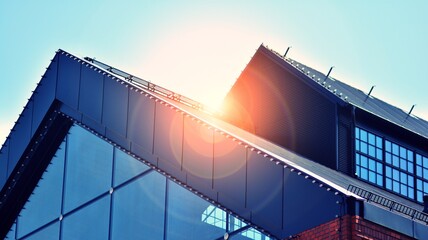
[185, 216]
[88, 167]
[126, 167]
[50, 232]
[138, 208]
[44, 205]
[90, 222]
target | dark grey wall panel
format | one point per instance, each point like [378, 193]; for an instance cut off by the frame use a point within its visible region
[4, 158]
[168, 136]
[230, 169]
[264, 191]
[20, 136]
[198, 153]
[91, 92]
[68, 80]
[302, 210]
[44, 94]
[115, 106]
[141, 115]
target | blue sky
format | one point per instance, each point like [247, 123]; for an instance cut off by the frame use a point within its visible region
[199, 48]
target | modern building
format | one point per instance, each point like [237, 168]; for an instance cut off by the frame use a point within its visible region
[101, 154]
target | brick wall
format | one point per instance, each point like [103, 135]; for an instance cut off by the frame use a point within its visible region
[350, 227]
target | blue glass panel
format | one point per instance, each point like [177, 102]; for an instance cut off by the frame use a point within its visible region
[395, 149]
[410, 192]
[387, 146]
[44, 204]
[418, 159]
[139, 208]
[357, 133]
[410, 155]
[419, 184]
[410, 180]
[372, 165]
[419, 196]
[388, 172]
[357, 159]
[388, 183]
[410, 167]
[115, 106]
[425, 186]
[91, 93]
[379, 168]
[395, 161]
[126, 167]
[11, 234]
[186, 214]
[358, 171]
[396, 175]
[403, 164]
[425, 171]
[419, 171]
[379, 154]
[403, 189]
[388, 158]
[372, 177]
[379, 179]
[363, 135]
[357, 145]
[68, 81]
[372, 139]
[88, 166]
[378, 142]
[372, 151]
[50, 232]
[90, 222]
[364, 161]
[141, 120]
[395, 186]
[364, 173]
[403, 152]
[363, 147]
[425, 161]
[403, 178]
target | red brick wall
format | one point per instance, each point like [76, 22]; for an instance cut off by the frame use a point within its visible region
[351, 227]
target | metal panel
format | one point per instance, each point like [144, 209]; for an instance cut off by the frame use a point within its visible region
[20, 136]
[141, 115]
[115, 106]
[264, 191]
[91, 93]
[4, 158]
[306, 204]
[198, 153]
[44, 94]
[68, 80]
[229, 170]
[388, 219]
[421, 230]
[168, 142]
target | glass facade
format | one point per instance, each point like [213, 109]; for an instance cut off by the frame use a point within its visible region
[93, 190]
[389, 165]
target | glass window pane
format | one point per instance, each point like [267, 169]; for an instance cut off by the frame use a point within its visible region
[139, 208]
[387, 146]
[363, 135]
[372, 151]
[378, 142]
[388, 158]
[363, 147]
[357, 133]
[364, 161]
[410, 155]
[379, 154]
[90, 222]
[88, 167]
[44, 205]
[189, 216]
[418, 159]
[403, 152]
[50, 232]
[388, 183]
[11, 234]
[395, 149]
[372, 139]
[372, 165]
[126, 167]
[364, 173]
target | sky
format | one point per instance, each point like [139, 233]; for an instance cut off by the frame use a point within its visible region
[199, 48]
